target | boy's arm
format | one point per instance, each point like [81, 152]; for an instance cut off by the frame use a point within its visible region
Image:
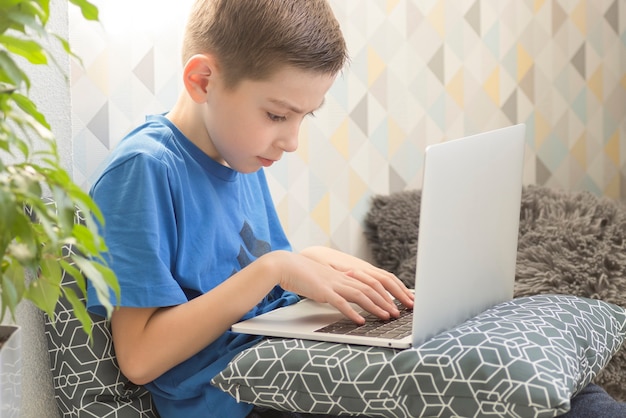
[150, 341]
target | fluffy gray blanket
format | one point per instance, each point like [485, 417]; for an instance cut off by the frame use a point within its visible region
[569, 243]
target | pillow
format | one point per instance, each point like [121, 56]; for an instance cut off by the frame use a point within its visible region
[522, 358]
[570, 242]
[87, 379]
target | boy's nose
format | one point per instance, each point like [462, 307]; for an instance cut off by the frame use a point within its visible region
[289, 143]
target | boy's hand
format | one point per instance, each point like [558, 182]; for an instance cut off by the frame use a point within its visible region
[338, 278]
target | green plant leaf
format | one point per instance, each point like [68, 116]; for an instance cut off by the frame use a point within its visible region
[66, 47]
[76, 274]
[12, 287]
[101, 278]
[29, 49]
[34, 249]
[28, 17]
[26, 231]
[45, 290]
[38, 8]
[30, 108]
[87, 240]
[8, 4]
[10, 72]
[24, 182]
[7, 207]
[79, 310]
[29, 126]
[89, 11]
[88, 207]
[65, 210]
[10, 136]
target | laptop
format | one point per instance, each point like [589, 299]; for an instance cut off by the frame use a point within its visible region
[466, 255]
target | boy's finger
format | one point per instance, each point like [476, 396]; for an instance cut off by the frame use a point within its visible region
[347, 310]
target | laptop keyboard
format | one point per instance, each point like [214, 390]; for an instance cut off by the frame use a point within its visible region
[395, 328]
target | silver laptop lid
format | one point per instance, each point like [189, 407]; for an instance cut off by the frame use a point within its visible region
[469, 221]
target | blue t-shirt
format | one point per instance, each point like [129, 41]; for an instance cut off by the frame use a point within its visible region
[177, 224]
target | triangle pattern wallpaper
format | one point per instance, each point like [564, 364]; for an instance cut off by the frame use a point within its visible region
[421, 72]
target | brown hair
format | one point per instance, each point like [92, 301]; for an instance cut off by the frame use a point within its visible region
[253, 38]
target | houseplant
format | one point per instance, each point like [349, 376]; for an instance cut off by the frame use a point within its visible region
[30, 168]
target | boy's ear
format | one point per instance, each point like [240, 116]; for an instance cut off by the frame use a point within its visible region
[198, 76]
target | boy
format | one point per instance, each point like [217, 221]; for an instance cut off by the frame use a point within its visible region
[192, 232]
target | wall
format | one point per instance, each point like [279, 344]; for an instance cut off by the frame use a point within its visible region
[422, 71]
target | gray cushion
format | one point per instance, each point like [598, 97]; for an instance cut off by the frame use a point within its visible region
[87, 379]
[523, 358]
[570, 242]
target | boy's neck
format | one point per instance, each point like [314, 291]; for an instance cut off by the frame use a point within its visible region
[187, 117]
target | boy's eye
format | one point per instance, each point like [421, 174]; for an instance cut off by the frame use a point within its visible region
[275, 118]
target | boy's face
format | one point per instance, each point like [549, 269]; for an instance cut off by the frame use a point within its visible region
[253, 124]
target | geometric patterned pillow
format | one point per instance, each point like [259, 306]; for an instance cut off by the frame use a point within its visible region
[522, 358]
[87, 379]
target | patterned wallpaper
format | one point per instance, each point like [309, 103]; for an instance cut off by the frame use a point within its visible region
[421, 72]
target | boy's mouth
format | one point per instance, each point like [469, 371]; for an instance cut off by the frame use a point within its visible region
[265, 162]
